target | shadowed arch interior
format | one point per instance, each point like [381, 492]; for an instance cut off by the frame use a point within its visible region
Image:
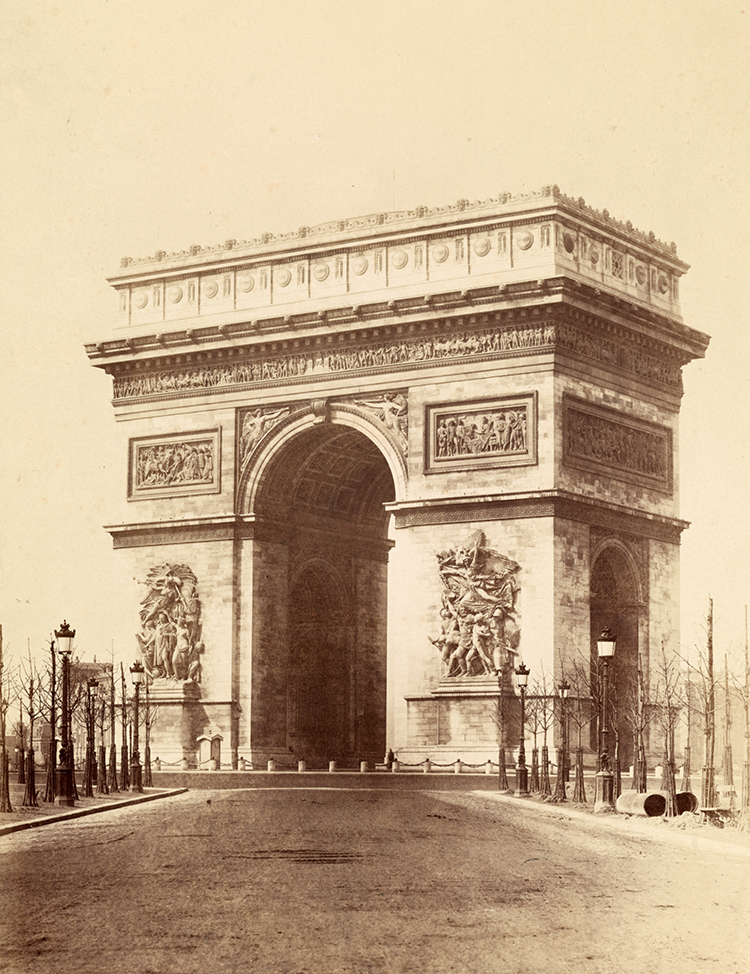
[329, 471]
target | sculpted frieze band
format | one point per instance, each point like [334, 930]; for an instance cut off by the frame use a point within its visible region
[405, 351]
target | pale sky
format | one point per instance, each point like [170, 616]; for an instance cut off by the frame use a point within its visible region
[130, 128]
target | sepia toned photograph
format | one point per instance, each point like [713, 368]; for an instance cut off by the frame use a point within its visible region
[374, 547]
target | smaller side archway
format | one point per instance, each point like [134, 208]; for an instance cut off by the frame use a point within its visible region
[616, 601]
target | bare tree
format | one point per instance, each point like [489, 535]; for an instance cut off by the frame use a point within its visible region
[686, 783]
[668, 705]
[743, 690]
[533, 702]
[703, 706]
[498, 718]
[633, 708]
[150, 717]
[5, 700]
[51, 784]
[543, 701]
[31, 691]
[124, 751]
[727, 769]
[580, 713]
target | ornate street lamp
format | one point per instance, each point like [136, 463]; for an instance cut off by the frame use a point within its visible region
[562, 753]
[522, 772]
[136, 781]
[604, 801]
[88, 775]
[65, 782]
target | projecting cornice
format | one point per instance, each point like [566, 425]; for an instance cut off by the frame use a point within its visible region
[454, 304]
[550, 503]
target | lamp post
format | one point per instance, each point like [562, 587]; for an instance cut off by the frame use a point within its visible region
[604, 801]
[65, 783]
[136, 781]
[88, 775]
[562, 755]
[522, 772]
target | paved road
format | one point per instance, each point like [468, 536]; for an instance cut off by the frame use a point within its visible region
[317, 881]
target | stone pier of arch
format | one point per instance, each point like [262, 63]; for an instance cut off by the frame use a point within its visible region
[368, 468]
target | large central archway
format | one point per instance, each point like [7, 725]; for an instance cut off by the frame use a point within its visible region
[320, 499]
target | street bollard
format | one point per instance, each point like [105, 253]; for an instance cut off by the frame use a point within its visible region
[302, 765]
[271, 764]
[427, 768]
[184, 764]
[363, 766]
[240, 764]
[488, 767]
[458, 768]
[395, 766]
[331, 765]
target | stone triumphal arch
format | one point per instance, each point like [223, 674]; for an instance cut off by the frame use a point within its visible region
[370, 464]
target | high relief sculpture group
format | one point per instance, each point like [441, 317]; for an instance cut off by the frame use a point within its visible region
[170, 625]
[480, 631]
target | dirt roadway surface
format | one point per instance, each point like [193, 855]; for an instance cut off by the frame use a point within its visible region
[317, 881]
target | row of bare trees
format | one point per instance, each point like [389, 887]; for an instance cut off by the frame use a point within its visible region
[676, 695]
[35, 692]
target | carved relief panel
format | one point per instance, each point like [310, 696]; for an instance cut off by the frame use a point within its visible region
[481, 433]
[600, 439]
[170, 636]
[175, 464]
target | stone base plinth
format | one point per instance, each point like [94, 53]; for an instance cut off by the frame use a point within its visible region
[169, 691]
[462, 686]
[180, 717]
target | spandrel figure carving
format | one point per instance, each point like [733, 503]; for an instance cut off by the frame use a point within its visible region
[392, 411]
[479, 626]
[255, 424]
[170, 621]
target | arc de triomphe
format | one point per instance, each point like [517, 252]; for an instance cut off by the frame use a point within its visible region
[369, 466]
